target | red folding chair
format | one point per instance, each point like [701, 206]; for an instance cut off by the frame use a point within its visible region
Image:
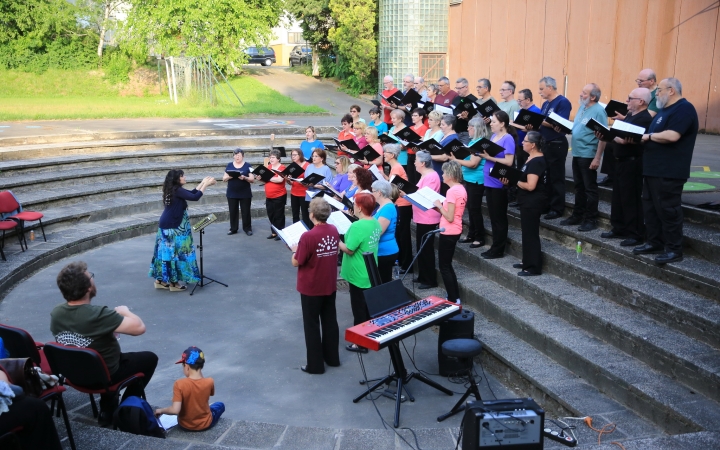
[85, 370]
[8, 204]
[9, 225]
[20, 344]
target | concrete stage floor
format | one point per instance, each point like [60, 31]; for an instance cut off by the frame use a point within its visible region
[251, 333]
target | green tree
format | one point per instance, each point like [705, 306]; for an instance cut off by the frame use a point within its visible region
[315, 20]
[100, 15]
[187, 27]
[42, 33]
[354, 40]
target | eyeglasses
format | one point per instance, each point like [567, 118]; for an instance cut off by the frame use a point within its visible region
[92, 275]
[353, 111]
[505, 89]
[633, 98]
[663, 89]
[638, 80]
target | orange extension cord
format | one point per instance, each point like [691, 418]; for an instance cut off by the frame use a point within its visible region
[606, 429]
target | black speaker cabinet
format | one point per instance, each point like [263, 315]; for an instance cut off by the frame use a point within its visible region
[460, 326]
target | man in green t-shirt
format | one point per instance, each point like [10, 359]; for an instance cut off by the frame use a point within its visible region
[82, 324]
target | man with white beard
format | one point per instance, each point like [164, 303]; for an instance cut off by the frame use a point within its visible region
[587, 152]
[669, 146]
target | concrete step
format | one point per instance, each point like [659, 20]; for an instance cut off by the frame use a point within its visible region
[661, 347]
[691, 213]
[694, 274]
[702, 239]
[33, 151]
[38, 184]
[655, 396]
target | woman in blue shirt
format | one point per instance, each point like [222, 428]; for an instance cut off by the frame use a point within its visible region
[472, 169]
[376, 121]
[174, 256]
[311, 141]
[386, 215]
[238, 177]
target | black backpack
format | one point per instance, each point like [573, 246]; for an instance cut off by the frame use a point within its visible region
[136, 416]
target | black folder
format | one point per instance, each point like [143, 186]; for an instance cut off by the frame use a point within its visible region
[233, 173]
[403, 184]
[349, 143]
[386, 139]
[291, 170]
[432, 146]
[466, 105]
[283, 154]
[428, 107]
[614, 107]
[526, 117]
[488, 146]
[606, 133]
[407, 134]
[264, 173]
[376, 103]
[367, 153]
[556, 123]
[461, 152]
[396, 98]
[512, 174]
[454, 146]
[348, 203]
[488, 108]
[312, 179]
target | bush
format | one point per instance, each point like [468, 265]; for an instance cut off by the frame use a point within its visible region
[117, 67]
[63, 53]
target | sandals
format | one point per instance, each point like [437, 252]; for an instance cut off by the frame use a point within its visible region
[160, 285]
[177, 287]
[355, 348]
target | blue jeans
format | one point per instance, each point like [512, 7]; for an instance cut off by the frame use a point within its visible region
[216, 409]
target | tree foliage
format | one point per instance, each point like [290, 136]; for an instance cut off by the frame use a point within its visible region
[354, 39]
[37, 34]
[190, 28]
[315, 20]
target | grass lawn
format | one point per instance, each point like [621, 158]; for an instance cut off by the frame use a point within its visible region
[58, 94]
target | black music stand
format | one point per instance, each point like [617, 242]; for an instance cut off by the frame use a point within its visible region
[400, 374]
[202, 273]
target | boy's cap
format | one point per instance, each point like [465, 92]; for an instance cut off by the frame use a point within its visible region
[192, 355]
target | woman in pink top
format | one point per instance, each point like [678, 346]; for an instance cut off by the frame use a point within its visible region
[452, 210]
[426, 222]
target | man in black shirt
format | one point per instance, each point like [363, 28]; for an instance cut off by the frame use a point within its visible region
[666, 167]
[463, 115]
[626, 215]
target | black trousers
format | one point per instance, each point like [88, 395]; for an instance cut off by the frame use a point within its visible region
[275, 208]
[130, 364]
[322, 335]
[626, 215]
[385, 266]
[446, 251]
[298, 206]
[412, 175]
[426, 259]
[358, 305]
[609, 164]
[244, 205]
[530, 227]
[33, 415]
[586, 189]
[403, 236]
[476, 229]
[663, 212]
[497, 203]
[555, 153]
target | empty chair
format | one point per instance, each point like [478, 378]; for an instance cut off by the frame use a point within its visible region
[10, 204]
[8, 225]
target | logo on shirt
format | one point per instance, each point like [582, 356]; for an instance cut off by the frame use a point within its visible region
[374, 239]
[327, 246]
[71, 338]
[659, 119]
[585, 121]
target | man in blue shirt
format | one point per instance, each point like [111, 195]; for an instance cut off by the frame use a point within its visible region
[587, 152]
[525, 100]
[556, 145]
[669, 146]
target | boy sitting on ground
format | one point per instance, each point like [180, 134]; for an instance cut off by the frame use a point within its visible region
[192, 393]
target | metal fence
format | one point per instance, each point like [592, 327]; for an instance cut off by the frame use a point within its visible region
[188, 76]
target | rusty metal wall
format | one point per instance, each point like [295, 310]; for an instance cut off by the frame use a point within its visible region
[602, 41]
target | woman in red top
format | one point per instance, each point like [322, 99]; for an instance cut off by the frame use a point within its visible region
[420, 128]
[346, 133]
[297, 192]
[275, 195]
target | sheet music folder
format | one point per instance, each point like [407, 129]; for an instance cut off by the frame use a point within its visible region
[386, 297]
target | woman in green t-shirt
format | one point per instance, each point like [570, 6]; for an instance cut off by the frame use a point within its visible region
[362, 237]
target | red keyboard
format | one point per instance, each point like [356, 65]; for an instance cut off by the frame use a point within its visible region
[403, 322]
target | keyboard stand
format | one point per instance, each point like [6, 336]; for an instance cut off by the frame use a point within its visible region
[402, 378]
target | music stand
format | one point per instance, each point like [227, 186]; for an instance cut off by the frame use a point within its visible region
[400, 374]
[200, 226]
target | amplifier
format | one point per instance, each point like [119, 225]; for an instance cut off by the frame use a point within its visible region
[503, 424]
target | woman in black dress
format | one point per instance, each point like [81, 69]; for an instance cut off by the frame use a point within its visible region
[532, 200]
[238, 178]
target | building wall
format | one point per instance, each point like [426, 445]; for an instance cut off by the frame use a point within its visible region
[406, 29]
[602, 41]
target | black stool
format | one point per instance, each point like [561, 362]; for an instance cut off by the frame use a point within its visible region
[464, 350]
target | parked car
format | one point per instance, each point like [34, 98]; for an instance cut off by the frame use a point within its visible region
[261, 55]
[300, 55]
